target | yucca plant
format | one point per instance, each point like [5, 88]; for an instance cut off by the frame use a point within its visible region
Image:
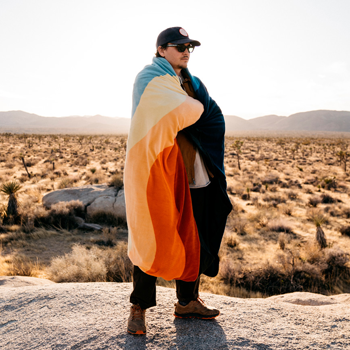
[11, 188]
[318, 220]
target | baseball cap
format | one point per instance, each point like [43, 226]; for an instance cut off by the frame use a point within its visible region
[175, 35]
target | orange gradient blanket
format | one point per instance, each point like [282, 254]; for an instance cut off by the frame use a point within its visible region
[163, 236]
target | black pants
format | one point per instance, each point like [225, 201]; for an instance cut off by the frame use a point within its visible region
[144, 292]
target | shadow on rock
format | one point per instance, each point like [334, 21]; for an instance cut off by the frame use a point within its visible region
[199, 334]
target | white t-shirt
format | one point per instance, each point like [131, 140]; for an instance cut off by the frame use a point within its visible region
[201, 177]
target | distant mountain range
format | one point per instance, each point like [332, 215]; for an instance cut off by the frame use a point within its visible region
[23, 122]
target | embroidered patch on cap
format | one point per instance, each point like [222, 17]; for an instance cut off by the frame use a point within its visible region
[183, 32]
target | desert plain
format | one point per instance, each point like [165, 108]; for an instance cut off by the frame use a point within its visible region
[289, 230]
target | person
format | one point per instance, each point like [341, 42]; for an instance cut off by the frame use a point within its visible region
[174, 181]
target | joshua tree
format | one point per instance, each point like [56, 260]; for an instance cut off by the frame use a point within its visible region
[24, 164]
[237, 146]
[11, 188]
[318, 220]
[343, 157]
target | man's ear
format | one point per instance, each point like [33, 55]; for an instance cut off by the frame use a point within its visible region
[161, 51]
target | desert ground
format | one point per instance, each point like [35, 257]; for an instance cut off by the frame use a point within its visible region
[289, 229]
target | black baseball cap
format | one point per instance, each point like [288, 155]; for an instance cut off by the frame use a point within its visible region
[175, 35]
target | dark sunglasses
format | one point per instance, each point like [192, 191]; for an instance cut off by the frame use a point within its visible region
[182, 47]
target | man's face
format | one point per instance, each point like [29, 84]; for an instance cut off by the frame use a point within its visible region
[178, 60]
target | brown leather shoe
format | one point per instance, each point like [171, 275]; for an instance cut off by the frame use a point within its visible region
[137, 320]
[196, 309]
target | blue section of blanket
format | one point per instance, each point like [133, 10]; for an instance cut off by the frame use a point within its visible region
[159, 67]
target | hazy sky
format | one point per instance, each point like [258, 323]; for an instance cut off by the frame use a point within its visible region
[258, 57]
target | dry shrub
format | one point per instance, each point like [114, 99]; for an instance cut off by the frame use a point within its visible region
[22, 266]
[326, 199]
[327, 271]
[274, 188]
[292, 195]
[282, 240]
[346, 212]
[274, 199]
[81, 265]
[345, 230]
[314, 201]
[280, 225]
[333, 211]
[116, 181]
[119, 266]
[106, 218]
[61, 215]
[286, 209]
[65, 183]
[94, 179]
[92, 265]
[231, 241]
[239, 225]
[270, 179]
[260, 218]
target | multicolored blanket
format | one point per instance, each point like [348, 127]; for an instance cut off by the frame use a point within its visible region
[163, 237]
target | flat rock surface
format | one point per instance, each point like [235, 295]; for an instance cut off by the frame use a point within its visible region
[94, 316]
[22, 281]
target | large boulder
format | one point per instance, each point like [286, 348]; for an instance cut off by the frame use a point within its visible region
[95, 198]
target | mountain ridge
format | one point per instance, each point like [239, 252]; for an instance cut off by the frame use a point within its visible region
[318, 120]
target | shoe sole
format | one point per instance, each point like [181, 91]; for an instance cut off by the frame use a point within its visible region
[198, 316]
[136, 333]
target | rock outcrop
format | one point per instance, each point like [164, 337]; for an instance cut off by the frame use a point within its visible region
[94, 197]
[94, 316]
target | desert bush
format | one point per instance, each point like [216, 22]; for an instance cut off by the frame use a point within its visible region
[22, 266]
[325, 274]
[92, 265]
[286, 209]
[274, 188]
[328, 183]
[95, 179]
[119, 267]
[270, 179]
[333, 210]
[60, 215]
[282, 240]
[239, 225]
[81, 265]
[346, 212]
[260, 218]
[106, 218]
[337, 261]
[274, 199]
[116, 181]
[314, 201]
[280, 225]
[345, 230]
[292, 195]
[326, 199]
[231, 241]
[65, 183]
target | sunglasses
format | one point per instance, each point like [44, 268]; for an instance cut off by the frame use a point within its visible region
[182, 47]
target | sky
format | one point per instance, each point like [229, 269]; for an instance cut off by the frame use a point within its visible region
[258, 57]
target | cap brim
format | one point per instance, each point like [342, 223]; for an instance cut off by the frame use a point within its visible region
[186, 40]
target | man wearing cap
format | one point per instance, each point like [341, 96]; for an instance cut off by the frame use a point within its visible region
[174, 169]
